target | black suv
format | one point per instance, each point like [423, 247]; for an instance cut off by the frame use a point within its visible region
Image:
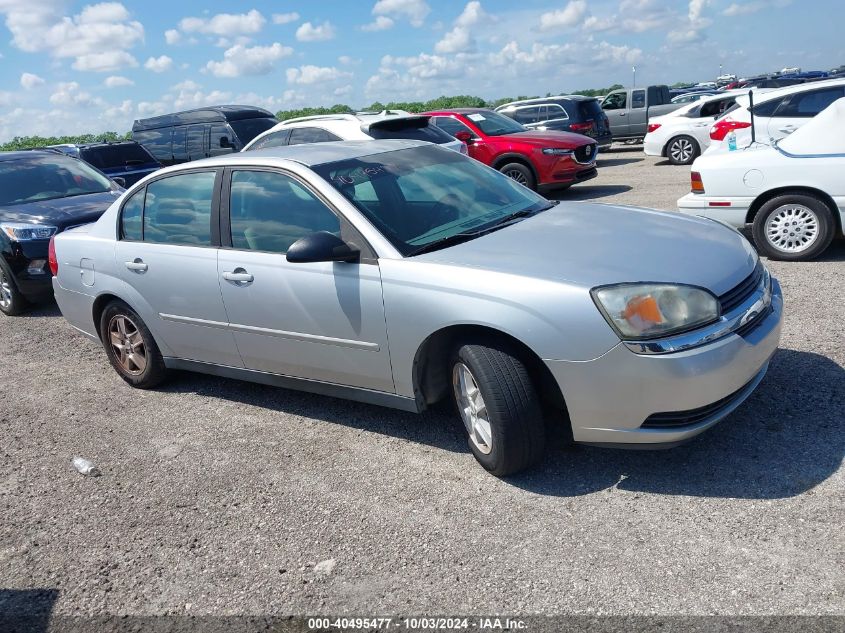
[125, 162]
[185, 136]
[568, 113]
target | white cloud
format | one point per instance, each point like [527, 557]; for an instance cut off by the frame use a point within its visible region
[172, 36]
[346, 60]
[473, 14]
[159, 64]
[381, 23]
[747, 8]
[285, 18]
[69, 94]
[30, 81]
[241, 60]
[413, 10]
[315, 33]
[308, 74]
[116, 81]
[696, 7]
[455, 41]
[188, 84]
[225, 24]
[97, 37]
[569, 16]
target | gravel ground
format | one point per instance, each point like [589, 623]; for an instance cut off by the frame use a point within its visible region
[220, 497]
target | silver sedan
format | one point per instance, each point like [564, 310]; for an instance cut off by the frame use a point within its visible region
[402, 274]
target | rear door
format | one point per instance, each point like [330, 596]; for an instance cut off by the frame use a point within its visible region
[320, 321]
[167, 255]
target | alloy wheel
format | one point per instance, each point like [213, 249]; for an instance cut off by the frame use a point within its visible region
[681, 150]
[792, 228]
[517, 175]
[5, 291]
[128, 345]
[473, 409]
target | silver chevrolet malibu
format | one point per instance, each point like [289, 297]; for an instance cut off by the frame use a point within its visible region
[402, 274]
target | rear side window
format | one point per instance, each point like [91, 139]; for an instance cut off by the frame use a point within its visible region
[638, 99]
[809, 104]
[413, 130]
[118, 155]
[301, 135]
[274, 139]
[131, 217]
[177, 210]
[767, 108]
[553, 111]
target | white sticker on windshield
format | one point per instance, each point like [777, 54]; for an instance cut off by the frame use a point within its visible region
[475, 116]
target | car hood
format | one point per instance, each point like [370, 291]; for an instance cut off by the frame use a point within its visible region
[549, 138]
[596, 244]
[61, 212]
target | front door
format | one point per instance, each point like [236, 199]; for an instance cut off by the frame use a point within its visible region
[615, 106]
[321, 321]
[167, 256]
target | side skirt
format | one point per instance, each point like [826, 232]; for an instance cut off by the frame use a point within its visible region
[378, 398]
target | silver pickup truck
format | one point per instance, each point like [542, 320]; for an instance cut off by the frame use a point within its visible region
[629, 110]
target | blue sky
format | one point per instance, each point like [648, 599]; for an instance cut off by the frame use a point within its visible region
[71, 67]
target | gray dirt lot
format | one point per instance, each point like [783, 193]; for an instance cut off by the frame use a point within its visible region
[219, 497]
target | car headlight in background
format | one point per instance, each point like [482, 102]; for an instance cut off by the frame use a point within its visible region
[25, 232]
[644, 311]
[558, 151]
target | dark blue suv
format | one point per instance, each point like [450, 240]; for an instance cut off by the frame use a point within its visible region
[125, 160]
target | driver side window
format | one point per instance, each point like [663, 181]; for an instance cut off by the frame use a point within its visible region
[615, 101]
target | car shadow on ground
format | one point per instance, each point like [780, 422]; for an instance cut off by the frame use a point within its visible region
[601, 161]
[26, 610]
[788, 437]
[43, 309]
[588, 192]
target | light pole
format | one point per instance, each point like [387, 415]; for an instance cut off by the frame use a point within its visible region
[634, 70]
[720, 70]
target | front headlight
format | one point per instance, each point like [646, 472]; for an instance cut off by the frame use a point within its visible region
[25, 232]
[645, 311]
[558, 151]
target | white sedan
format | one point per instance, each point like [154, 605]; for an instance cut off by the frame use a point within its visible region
[682, 135]
[792, 193]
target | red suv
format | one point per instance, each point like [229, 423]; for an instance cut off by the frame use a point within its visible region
[538, 160]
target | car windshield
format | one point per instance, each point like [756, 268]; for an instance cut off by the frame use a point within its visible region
[423, 196]
[248, 129]
[36, 178]
[495, 124]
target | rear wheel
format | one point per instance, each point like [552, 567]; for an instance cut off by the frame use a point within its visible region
[499, 407]
[682, 150]
[130, 346]
[520, 173]
[12, 302]
[793, 227]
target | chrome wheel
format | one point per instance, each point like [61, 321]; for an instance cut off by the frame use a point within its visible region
[128, 345]
[681, 150]
[473, 409]
[517, 175]
[5, 291]
[792, 228]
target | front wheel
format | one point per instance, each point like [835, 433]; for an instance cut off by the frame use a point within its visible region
[682, 150]
[130, 346]
[793, 227]
[520, 173]
[12, 302]
[499, 407]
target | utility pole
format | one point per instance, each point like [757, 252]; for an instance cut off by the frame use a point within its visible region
[634, 70]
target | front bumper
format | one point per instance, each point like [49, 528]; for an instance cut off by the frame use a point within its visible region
[611, 398]
[713, 207]
[32, 281]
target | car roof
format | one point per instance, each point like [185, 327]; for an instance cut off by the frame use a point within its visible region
[459, 110]
[521, 102]
[27, 153]
[357, 118]
[208, 114]
[774, 93]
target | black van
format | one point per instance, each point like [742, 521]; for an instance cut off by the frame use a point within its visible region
[184, 136]
[568, 113]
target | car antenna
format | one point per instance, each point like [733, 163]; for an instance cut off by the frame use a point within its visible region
[751, 110]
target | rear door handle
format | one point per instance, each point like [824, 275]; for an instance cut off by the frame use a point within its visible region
[788, 129]
[239, 276]
[137, 265]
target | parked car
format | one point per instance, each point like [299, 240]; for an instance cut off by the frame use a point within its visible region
[185, 136]
[41, 194]
[566, 113]
[363, 126]
[683, 134]
[791, 193]
[494, 297]
[630, 109]
[777, 113]
[126, 162]
[689, 97]
[538, 160]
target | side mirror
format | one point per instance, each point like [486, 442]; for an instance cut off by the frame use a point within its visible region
[321, 247]
[464, 136]
[225, 142]
[119, 181]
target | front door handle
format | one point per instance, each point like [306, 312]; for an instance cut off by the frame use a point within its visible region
[788, 129]
[137, 265]
[238, 276]
[622, 113]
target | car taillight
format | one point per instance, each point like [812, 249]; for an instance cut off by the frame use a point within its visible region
[51, 257]
[697, 185]
[581, 127]
[653, 127]
[721, 128]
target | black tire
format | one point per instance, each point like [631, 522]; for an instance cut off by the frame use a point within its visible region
[682, 150]
[12, 302]
[154, 371]
[521, 173]
[514, 411]
[780, 205]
